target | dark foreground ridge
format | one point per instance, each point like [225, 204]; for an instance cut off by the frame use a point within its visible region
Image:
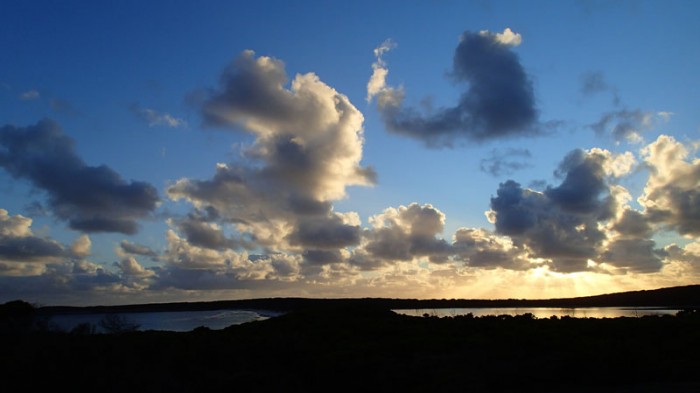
[368, 349]
[362, 346]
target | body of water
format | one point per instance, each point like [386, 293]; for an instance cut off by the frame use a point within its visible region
[177, 321]
[543, 312]
[184, 321]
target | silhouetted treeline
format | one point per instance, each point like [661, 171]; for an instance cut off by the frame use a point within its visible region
[675, 297]
[359, 348]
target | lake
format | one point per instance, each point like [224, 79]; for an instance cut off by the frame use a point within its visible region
[544, 312]
[176, 321]
[184, 321]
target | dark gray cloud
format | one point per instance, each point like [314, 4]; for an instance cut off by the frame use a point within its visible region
[505, 162]
[635, 254]
[137, 249]
[498, 102]
[681, 208]
[562, 222]
[633, 224]
[200, 232]
[322, 257]
[584, 185]
[515, 209]
[29, 249]
[325, 233]
[583, 218]
[91, 199]
[686, 201]
[408, 232]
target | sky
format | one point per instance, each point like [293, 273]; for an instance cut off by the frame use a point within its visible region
[185, 151]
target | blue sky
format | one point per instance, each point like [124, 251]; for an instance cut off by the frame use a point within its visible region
[176, 151]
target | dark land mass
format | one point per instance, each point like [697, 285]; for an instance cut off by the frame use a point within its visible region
[360, 345]
[673, 298]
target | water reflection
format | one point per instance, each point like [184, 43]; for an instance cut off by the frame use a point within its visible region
[543, 312]
[179, 321]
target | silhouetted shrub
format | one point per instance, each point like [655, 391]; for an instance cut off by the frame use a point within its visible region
[84, 328]
[16, 316]
[201, 329]
[116, 324]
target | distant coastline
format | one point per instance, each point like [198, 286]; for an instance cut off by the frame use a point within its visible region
[673, 297]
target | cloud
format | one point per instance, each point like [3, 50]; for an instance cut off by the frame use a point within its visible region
[128, 248]
[638, 255]
[82, 246]
[407, 232]
[563, 223]
[14, 226]
[482, 249]
[665, 116]
[593, 82]
[632, 224]
[505, 162]
[534, 222]
[508, 37]
[29, 249]
[586, 223]
[154, 118]
[129, 266]
[498, 102]
[62, 106]
[30, 95]
[583, 185]
[322, 257]
[671, 195]
[688, 254]
[29, 263]
[19, 244]
[307, 151]
[15, 270]
[91, 199]
[327, 232]
[202, 233]
[624, 125]
[377, 82]
[193, 267]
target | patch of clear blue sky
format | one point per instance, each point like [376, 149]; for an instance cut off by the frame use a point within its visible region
[99, 58]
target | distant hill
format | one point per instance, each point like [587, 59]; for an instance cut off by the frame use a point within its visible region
[673, 297]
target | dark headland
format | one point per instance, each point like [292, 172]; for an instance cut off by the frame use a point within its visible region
[334, 345]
